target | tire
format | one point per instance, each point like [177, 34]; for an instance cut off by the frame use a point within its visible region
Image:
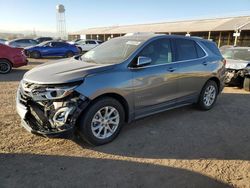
[80, 49]
[208, 95]
[246, 84]
[69, 54]
[90, 123]
[35, 55]
[5, 66]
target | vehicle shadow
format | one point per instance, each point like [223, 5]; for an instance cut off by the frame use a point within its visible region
[188, 133]
[29, 170]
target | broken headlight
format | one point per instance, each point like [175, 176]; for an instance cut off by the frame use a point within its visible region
[42, 93]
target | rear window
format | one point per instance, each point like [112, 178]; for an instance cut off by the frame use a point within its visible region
[212, 47]
[188, 49]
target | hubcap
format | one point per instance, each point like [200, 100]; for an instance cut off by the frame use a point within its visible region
[4, 67]
[209, 95]
[105, 122]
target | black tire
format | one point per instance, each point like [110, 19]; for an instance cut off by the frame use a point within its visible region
[5, 66]
[202, 101]
[85, 121]
[80, 49]
[69, 54]
[35, 55]
[246, 84]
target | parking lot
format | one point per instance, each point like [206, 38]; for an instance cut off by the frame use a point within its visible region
[179, 148]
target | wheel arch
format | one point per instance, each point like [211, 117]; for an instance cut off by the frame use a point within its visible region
[120, 99]
[8, 61]
[217, 81]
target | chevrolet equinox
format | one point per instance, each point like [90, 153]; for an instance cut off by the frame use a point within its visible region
[121, 80]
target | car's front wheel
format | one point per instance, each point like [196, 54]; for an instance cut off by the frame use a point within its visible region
[208, 95]
[35, 55]
[102, 121]
[69, 54]
[5, 66]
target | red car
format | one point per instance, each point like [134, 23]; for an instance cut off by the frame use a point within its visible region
[11, 57]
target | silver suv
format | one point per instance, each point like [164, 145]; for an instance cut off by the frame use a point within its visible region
[121, 80]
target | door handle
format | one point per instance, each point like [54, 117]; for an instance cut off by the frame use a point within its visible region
[204, 63]
[171, 69]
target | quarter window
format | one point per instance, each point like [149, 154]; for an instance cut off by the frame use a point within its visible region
[188, 49]
[159, 51]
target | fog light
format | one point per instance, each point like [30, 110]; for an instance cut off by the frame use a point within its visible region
[61, 115]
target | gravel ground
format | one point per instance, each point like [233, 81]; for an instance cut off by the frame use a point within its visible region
[184, 147]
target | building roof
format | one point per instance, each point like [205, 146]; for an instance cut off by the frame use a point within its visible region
[215, 24]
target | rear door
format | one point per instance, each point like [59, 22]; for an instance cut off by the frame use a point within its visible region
[155, 85]
[193, 69]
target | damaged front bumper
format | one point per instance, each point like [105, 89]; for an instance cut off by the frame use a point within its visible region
[50, 118]
[235, 76]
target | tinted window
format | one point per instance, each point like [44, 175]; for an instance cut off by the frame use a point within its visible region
[90, 42]
[159, 51]
[58, 44]
[212, 47]
[186, 49]
[200, 51]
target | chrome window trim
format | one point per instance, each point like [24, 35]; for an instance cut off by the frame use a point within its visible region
[174, 62]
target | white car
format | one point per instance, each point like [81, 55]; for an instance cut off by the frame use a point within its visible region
[86, 45]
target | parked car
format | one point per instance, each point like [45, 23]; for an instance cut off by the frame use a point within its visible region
[123, 79]
[43, 39]
[2, 41]
[11, 57]
[86, 45]
[238, 66]
[21, 43]
[52, 48]
[74, 41]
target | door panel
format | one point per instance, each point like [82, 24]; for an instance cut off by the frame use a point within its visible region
[155, 85]
[193, 70]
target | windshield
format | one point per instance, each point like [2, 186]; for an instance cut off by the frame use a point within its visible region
[113, 51]
[237, 54]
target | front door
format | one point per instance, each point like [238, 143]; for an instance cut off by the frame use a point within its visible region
[155, 84]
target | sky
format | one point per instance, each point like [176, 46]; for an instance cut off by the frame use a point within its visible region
[40, 15]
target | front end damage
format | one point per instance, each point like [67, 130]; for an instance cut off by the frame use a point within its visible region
[49, 110]
[236, 76]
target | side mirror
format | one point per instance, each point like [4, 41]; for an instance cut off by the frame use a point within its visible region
[142, 61]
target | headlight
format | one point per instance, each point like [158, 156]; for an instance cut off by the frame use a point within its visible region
[51, 93]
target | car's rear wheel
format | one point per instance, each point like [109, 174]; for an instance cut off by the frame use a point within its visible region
[102, 121]
[246, 84]
[5, 66]
[208, 95]
[69, 54]
[35, 55]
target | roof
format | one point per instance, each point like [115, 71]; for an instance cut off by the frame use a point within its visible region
[215, 24]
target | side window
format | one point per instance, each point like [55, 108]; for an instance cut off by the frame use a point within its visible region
[200, 51]
[90, 42]
[57, 44]
[159, 51]
[212, 47]
[186, 49]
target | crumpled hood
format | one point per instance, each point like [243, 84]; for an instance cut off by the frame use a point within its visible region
[236, 64]
[63, 71]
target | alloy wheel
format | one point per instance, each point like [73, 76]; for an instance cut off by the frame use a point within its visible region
[105, 122]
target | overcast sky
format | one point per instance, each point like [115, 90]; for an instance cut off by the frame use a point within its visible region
[16, 15]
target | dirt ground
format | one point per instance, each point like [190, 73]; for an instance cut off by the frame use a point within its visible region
[182, 148]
